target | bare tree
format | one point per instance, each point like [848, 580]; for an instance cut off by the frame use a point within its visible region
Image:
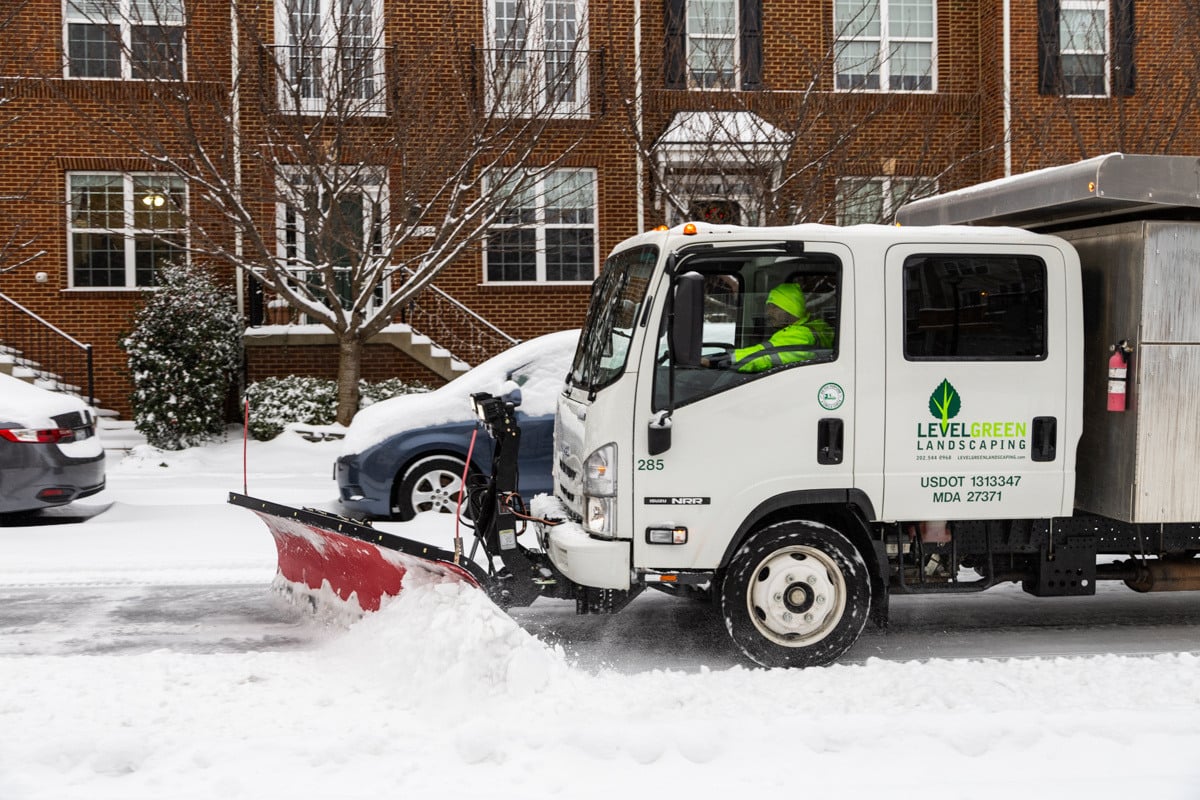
[341, 171]
[812, 151]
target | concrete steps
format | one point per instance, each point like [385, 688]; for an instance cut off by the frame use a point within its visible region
[400, 336]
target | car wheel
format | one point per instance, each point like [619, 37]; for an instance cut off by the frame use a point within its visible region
[431, 484]
[797, 594]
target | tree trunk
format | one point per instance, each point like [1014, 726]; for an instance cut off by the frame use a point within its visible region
[349, 369]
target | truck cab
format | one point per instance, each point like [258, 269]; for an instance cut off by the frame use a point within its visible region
[708, 436]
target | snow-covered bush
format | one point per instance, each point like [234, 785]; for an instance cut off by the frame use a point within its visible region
[370, 393]
[184, 349]
[278, 402]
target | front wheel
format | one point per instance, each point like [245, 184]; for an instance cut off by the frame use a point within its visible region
[797, 594]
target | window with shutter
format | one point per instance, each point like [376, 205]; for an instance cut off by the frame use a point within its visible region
[1086, 48]
[712, 44]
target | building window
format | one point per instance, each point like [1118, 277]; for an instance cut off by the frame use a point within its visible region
[711, 38]
[713, 44]
[876, 200]
[537, 56]
[974, 307]
[138, 39]
[124, 227]
[1085, 48]
[885, 45]
[330, 55]
[547, 232]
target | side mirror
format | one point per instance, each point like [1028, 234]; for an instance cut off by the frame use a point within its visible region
[687, 319]
[658, 434]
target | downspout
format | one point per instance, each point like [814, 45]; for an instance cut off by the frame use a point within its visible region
[1007, 100]
[235, 99]
[637, 112]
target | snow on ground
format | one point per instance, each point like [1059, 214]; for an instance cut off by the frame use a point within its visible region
[442, 695]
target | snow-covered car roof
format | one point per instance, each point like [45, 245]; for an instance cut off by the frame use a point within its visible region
[31, 406]
[543, 361]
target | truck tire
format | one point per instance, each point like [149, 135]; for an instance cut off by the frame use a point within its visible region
[796, 594]
[431, 484]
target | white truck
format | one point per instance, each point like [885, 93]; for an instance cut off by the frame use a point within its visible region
[946, 408]
[952, 436]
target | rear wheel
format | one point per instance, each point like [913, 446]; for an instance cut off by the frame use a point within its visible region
[797, 594]
[431, 484]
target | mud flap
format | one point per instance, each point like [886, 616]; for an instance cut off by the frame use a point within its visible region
[360, 564]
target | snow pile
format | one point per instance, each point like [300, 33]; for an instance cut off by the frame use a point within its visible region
[27, 405]
[439, 634]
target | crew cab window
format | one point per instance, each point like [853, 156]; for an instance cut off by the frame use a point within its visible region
[743, 338]
[974, 307]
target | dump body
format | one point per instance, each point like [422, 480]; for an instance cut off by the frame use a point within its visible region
[1141, 285]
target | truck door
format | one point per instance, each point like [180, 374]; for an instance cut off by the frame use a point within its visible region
[768, 412]
[976, 381]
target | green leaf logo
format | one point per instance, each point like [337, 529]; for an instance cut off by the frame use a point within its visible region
[944, 403]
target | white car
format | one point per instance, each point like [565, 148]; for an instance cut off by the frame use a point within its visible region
[49, 452]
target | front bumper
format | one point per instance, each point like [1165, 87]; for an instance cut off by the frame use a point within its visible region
[581, 557]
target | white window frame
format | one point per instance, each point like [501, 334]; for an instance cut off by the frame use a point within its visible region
[1104, 7]
[885, 44]
[128, 232]
[290, 235]
[523, 89]
[539, 226]
[327, 41]
[850, 187]
[126, 18]
[694, 33]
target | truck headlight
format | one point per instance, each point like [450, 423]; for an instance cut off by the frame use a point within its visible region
[600, 473]
[599, 490]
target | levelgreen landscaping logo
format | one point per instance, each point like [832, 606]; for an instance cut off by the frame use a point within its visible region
[987, 434]
[944, 404]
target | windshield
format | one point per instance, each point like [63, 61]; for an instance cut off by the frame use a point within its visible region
[616, 304]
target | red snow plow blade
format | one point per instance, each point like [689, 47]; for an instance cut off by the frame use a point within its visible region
[358, 562]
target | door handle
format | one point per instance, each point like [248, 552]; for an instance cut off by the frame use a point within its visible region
[1045, 439]
[829, 441]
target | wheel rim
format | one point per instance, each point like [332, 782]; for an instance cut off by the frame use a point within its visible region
[796, 596]
[437, 490]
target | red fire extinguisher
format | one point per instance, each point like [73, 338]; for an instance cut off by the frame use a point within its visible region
[1118, 372]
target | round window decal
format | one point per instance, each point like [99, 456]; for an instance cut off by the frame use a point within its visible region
[831, 396]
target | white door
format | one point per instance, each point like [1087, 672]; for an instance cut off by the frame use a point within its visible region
[976, 382]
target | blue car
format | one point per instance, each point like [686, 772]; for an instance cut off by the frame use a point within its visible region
[405, 455]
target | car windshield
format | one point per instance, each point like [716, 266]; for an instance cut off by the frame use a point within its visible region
[616, 304]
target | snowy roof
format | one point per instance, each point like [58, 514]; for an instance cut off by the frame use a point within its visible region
[698, 134]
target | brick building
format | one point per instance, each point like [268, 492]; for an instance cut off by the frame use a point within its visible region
[653, 111]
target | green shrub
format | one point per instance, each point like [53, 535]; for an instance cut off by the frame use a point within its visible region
[278, 402]
[184, 349]
[370, 393]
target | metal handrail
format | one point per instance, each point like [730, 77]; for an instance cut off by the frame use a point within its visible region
[40, 341]
[453, 326]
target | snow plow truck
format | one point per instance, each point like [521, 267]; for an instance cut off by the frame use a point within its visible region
[1001, 388]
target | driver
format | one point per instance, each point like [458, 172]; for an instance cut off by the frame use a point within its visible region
[795, 332]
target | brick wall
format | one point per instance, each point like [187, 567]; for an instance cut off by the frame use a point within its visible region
[52, 126]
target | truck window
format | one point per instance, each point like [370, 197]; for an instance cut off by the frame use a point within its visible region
[744, 335]
[974, 307]
[613, 313]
